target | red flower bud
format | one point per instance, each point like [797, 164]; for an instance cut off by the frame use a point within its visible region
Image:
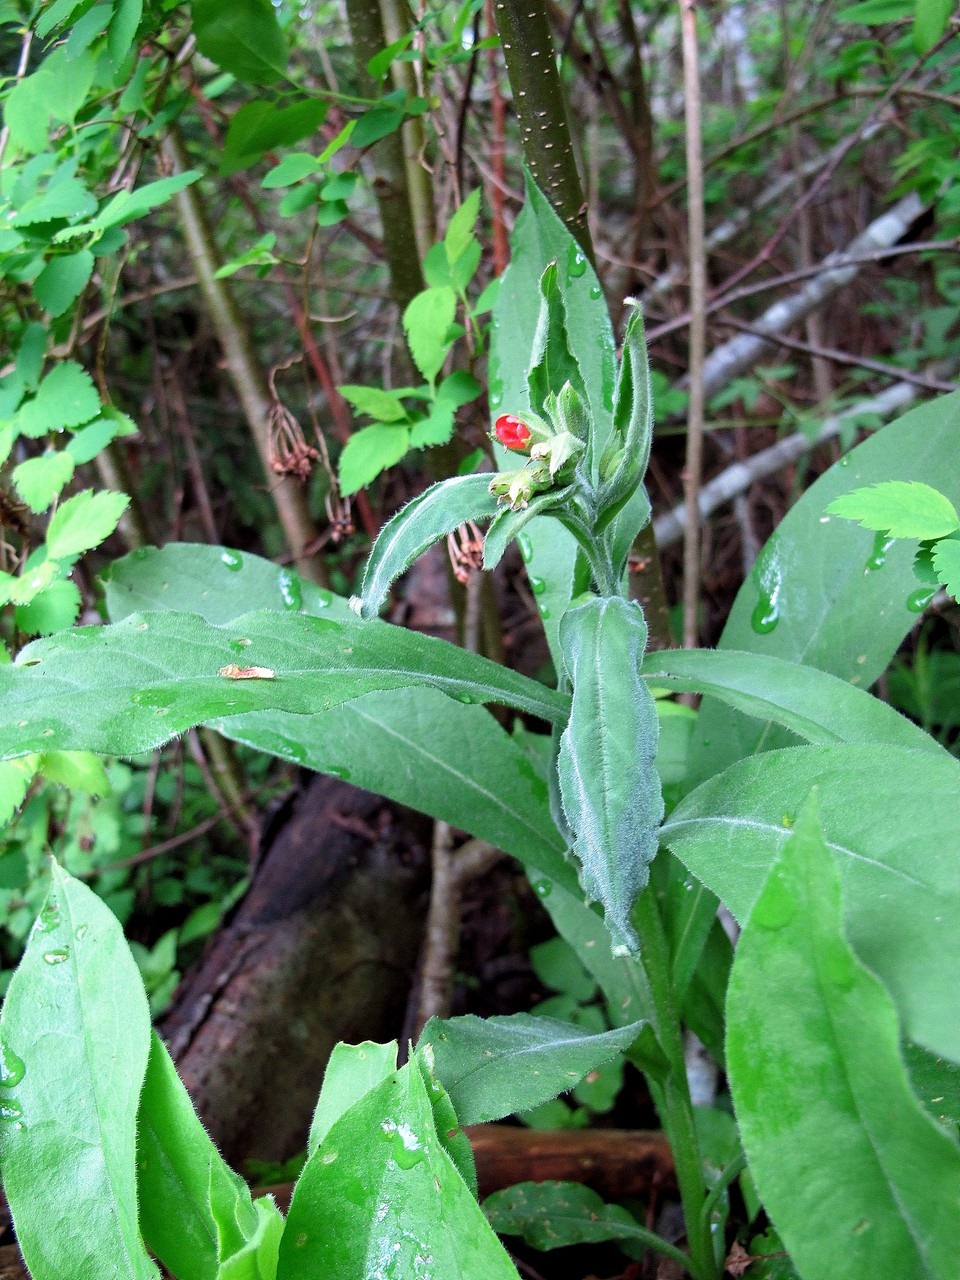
[512, 433]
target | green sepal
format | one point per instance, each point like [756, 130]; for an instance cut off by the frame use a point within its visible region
[508, 522]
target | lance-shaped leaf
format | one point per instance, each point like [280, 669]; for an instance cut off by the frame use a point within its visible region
[608, 782]
[813, 1049]
[380, 1196]
[551, 362]
[813, 704]
[492, 1067]
[352, 1071]
[628, 450]
[133, 685]
[75, 1037]
[417, 526]
[196, 1212]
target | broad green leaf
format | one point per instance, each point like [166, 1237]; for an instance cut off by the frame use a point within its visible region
[76, 1034]
[195, 1211]
[891, 817]
[875, 12]
[215, 582]
[123, 28]
[83, 521]
[946, 562]
[376, 124]
[291, 169]
[900, 508]
[128, 687]
[65, 398]
[813, 1049]
[62, 281]
[421, 749]
[459, 388]
[53, 609]
[260, 126]
[825, 601]
[936, 1082]
[89, 440]
[78, 770]
[608, 783]
[460, 228]
[370, 451]
[383, 406]
[127, 206]
[814, 705]
[55, 15]
[435, 428]
[352, 1071]
[492, 1067]
[39, 480]
[67, 199]
[15, 779]
[401, 1208]
[929, 23]
[426, 322]
[417, 526]
[553, 1215]
[243, 38]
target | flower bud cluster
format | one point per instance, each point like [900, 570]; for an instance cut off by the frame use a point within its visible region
[549, 451]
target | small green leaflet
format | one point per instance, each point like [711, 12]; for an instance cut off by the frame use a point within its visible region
[899, 508]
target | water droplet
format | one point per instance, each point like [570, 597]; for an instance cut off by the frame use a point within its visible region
[238, 646]
[769, 578]
[576, 261]
[328, 1157]
[543, 888]
[49, 917]
[543, 610]
[12, 1067]
[775, 906]
[844, 462]
[82, 931]
[405, 1147]
[232, 560]
[525, 545]
[596, 292]
[918, 600]
[878, 556]
[10, 1110]
[337, 771]
[56, 957]
[765, 615]
[537, 586]
[466, 698]
[290, 589]
[324, 599]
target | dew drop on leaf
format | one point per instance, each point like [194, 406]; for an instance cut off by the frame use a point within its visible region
[232, 560]
[290, 590]
[12, 1067]
[56, 957]
[10, 1110]
[918, 600]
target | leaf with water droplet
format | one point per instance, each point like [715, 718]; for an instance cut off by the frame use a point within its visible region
[12, 1067]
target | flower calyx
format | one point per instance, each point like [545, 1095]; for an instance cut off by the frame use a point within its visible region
[516, 488]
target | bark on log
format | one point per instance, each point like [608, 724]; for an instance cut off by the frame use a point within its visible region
[321, 949]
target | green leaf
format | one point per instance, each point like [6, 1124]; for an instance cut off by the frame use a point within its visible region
[127, 206]
[128, 687]
[436, 428]
[215, 582]
[123, 28]
[195, 1211]
[822, 608]
[508, 523]
[552, 363]
[946, 562]
[899, 508]
[816, 706]
[261, 126]
[53, 609]
[62, 281]
[76, 1034]
[291, 170]
[417, 526]
[243, 38]
[553, 1215]
[39, 480]
[383, 406]
[556, 965]
[407, 1211]
[352, 1070]
[376, 124]
[54, 15]
[370, 451]
[84, 521]
[929, 23]
[89, 440]
[876, 12]
[426, 322]
[78, 770]
[891, 817]
[633, 418]
[813, 1049]
[459, 388]
[492, 1067]
[460, 228]
[608, 783]
[15, 779]
[65, 398]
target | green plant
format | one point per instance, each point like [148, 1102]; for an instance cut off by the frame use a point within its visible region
[847, 894]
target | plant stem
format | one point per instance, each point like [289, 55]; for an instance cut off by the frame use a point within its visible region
[672, 1094]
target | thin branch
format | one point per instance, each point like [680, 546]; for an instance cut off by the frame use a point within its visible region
[698, 332]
